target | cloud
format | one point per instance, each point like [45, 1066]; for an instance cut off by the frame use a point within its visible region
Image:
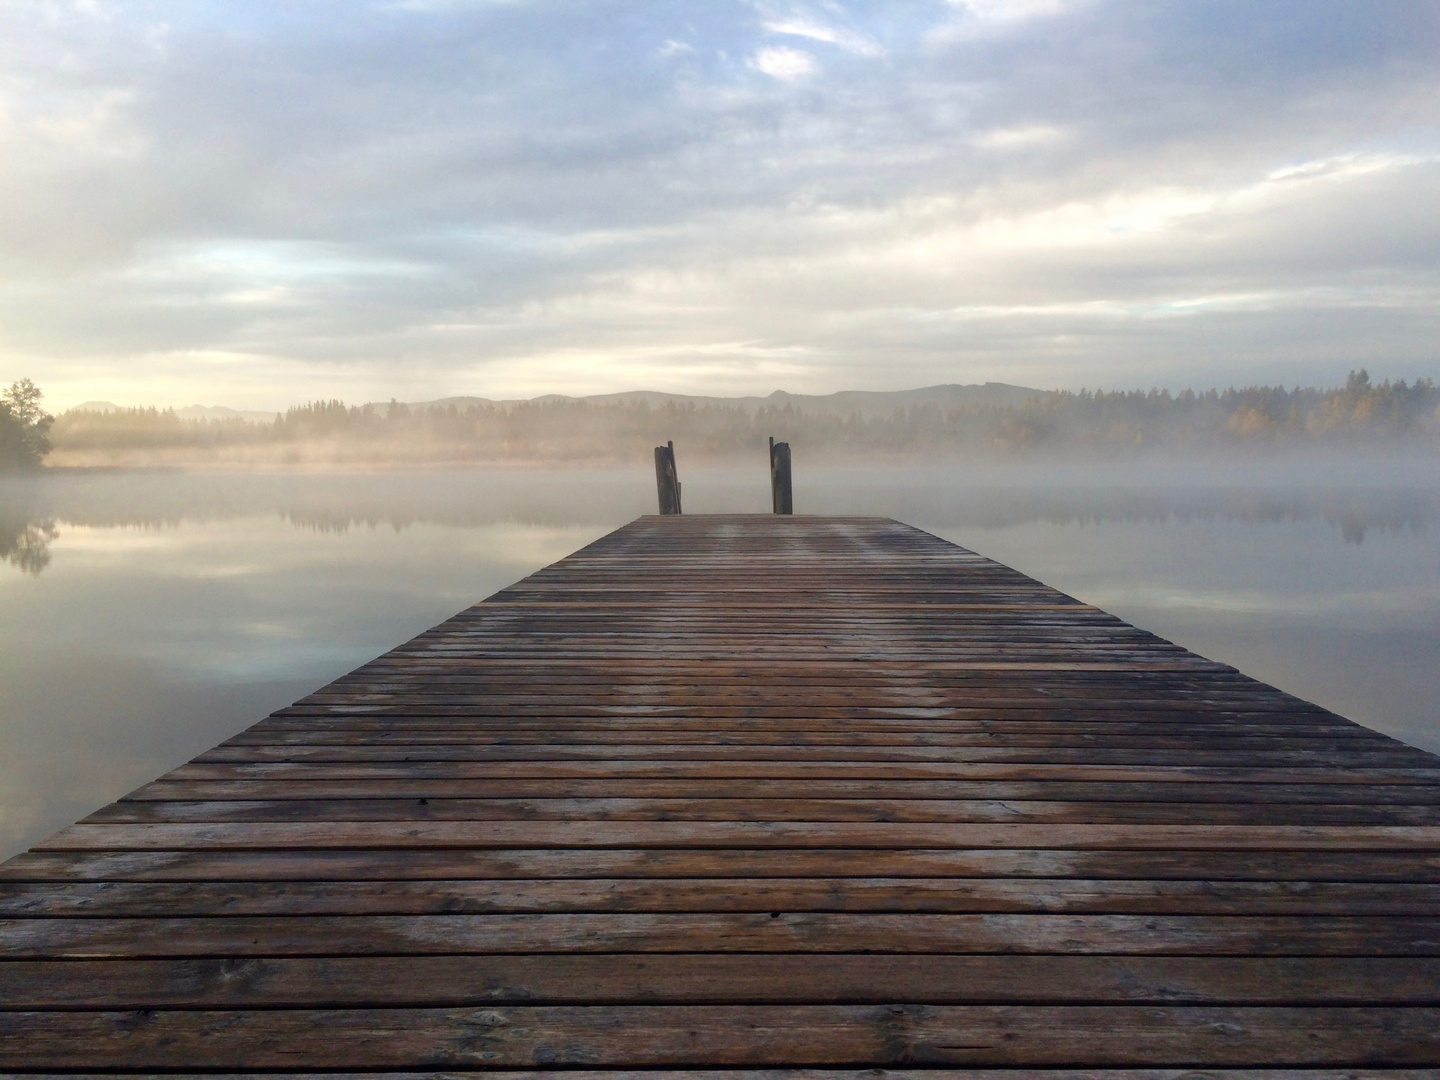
[846, 39]
[1012, 11]
[512, 197]
[784, 63]
[1017, 138]
[978, 20]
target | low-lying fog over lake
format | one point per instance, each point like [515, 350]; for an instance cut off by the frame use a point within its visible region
[145, 616]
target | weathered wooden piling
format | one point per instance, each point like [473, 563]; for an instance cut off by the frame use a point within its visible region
[781, 501]
[726, 794]
[667, 479]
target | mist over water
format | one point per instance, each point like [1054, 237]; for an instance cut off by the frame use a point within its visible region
[145, 616]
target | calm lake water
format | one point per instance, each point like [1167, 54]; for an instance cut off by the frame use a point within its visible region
[146, 616]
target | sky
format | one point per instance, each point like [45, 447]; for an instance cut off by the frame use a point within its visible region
[255, 204]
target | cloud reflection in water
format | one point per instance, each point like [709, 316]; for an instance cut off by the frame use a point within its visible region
[146, 616]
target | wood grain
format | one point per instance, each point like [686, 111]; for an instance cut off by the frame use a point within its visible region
[757, 798]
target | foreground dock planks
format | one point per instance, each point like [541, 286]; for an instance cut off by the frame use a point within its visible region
[764, 798]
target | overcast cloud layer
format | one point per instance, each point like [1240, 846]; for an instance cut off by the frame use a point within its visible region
[255, 203]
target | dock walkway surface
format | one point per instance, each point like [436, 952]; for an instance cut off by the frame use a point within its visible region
[731, 793]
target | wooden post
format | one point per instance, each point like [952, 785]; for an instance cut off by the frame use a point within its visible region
[780, 499]
[667, 482]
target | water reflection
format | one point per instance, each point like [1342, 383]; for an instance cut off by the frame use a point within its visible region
[25, 544]
[146, 616]
[1351, 512]
[33, 509]
[25, 530]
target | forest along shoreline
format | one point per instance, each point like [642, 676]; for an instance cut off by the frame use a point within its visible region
[988, 422]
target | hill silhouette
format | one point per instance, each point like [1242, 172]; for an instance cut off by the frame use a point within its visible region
[990, 420]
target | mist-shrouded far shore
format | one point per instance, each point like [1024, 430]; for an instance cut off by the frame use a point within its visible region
[991, 421]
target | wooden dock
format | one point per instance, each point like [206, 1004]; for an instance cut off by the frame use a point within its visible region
[752, 793]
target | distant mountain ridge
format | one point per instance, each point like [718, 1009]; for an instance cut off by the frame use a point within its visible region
[865, 403]
[843, 403]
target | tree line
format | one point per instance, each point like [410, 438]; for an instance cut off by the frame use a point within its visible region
[1105, 423]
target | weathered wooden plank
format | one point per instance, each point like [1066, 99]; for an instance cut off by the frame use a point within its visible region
[512, 1036]
[778, 931]
[839, 770]
[727, 894]
[709, 978]
[1219, 750]
[1239, 796]
[738, 809]
[746, 834]
[929, 731]
[818, 1074]
[455, 745]
[425, 864]
[740, 792]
